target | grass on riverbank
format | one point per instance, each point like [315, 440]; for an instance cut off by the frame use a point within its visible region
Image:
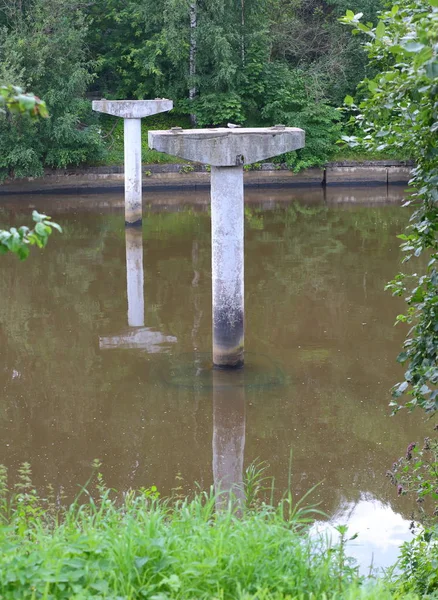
[140, 546]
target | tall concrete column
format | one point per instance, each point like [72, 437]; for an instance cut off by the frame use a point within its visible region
[227, 234]
[133, 178]
[134, 276]
[132, 111]
[228, 438]
[226, 151]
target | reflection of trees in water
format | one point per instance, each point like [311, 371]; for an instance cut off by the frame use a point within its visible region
[65, 402]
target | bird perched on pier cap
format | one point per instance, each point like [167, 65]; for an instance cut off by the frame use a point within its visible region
[233, 125]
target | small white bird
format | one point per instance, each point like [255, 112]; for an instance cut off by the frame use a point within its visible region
[233, 125]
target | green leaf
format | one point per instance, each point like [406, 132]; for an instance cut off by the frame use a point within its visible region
[402, 357]
[140, 561]
[399, 389]
[41, 230]
[380, 30]
[100, 586]
[423, 56]
[434, 3]
[413, 46]
[364, 28]
[55, 226]
[37, 217]
[23, 252]
[26, 102]
[417, 295]
[396, 49]
[432, 69]
[349, 100]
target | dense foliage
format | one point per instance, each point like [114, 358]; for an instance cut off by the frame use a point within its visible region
[255, 62]
[43, 48]
[401, 110]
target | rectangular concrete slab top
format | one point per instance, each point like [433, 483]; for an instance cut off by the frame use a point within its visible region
[224, 147]
[133, 109]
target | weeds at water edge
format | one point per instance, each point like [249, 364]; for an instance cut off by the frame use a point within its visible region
[138, 545]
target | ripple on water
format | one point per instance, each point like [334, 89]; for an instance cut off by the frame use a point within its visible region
[194, 370]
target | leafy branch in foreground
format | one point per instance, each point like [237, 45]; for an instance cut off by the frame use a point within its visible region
[19, 240]
[400, 112]
[13, 100]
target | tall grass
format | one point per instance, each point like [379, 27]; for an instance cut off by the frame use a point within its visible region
[138, 545]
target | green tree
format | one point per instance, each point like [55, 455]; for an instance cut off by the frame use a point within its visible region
[42, 45]
[400, 111]
[254, 62]
[306, 34]
[194, 53]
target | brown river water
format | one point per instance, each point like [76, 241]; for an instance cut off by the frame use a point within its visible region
[80, 378]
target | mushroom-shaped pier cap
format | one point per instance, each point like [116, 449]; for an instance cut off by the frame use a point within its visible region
[227, 147]
[132, 109]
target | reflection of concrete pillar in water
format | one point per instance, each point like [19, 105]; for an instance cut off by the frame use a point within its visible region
[134, 276]
[132, 111]
[228, 436]
[227, 150]
[137, 336]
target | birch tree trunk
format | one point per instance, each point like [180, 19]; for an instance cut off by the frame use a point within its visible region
[242, 34]
[192, 59]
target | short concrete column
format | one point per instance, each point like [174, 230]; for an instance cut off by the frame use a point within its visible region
[227, 150]
[227, 231]
[132, 111]
[134, 276]
[228, 438]
[133, 177]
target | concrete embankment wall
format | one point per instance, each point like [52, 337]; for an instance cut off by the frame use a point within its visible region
[191, 176]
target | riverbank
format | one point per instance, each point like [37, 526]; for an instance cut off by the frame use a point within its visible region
[139, 545]
[195, 176]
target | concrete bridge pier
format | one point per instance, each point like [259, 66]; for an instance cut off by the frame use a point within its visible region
[132, 111]
[227, 151]
[227, 234]
[133, 176]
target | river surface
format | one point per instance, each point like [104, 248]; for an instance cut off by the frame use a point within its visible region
[94, 368]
